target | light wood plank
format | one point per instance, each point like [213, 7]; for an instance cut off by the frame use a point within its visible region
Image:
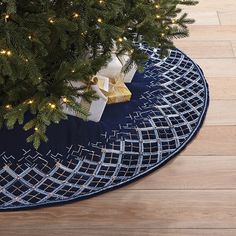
[135, 209]
[234, 47]
[203, 17]
[222, 112]
[213, 140]
[119, 232]
[222, 88]
[211, 32]
[206, 49]
[218, 67]
[192, 172]
[213, 5]
[228, 17]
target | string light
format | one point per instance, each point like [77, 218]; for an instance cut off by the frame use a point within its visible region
[76, 15]
[31, 102]
[52, 106]
[8, 106]
[7, 17]
[99, 20]
[9, 53]
[157, 6]
[51, 20]
[158, 16]
[65, 100]
[36, 129]
[120, 40]
[5, 52]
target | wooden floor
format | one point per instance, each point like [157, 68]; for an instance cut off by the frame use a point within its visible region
[195, 194]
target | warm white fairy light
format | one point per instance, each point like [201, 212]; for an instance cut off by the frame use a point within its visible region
[5, 52]
[99, 20]
[51, 20]
[8, 106]
[65, 100]
[7, 17]
[52, 105]
[76, 15]
[120, 40]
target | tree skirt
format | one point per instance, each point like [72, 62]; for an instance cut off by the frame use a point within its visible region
[83, 159]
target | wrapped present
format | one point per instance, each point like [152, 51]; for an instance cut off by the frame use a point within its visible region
[114, 89]
[128, 77]
[116, 68]
[94, 109]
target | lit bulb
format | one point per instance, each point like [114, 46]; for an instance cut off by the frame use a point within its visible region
[158, 16]
[53, 106]
[76, 15]
[9, 53]
[157, 6]
[120, 40]
[99, 20]
[51, 20]
[3, 52]
[36, 129]
[8, 106]
[31, 102]
[7, 17]
[65, 100]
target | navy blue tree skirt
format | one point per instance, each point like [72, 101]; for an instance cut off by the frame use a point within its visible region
[82, 159]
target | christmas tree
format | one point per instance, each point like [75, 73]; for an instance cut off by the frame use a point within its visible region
[46, 45]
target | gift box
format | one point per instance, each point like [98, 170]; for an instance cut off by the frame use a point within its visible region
[114, 89]
[112, 79]
[128, 77]
[94, 109]
[115, 68]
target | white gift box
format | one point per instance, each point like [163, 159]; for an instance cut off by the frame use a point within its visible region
[115, 68]
[96, 108]
[128, 77]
